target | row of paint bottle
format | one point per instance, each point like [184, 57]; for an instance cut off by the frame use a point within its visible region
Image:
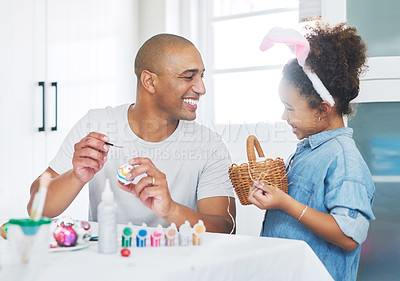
[107, 219]
[169, 237]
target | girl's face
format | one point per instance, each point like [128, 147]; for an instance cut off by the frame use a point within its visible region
[299, 115]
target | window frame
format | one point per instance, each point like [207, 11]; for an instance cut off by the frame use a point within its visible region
[207, 112]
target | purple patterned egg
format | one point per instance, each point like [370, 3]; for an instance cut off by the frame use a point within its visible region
[65, 236]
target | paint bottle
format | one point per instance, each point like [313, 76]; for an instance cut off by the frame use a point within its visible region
[171, 235]
[107, 218]
[142, 236]
[127, 236]
[198, 231]
[185, 234]
[156, 236]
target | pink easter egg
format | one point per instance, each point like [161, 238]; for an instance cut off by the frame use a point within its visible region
[65, 236]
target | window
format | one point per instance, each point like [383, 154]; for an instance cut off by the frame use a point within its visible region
[242, 81]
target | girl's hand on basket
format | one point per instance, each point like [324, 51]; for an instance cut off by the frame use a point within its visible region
[266, 196]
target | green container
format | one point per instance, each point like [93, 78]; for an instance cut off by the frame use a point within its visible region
[29, 227]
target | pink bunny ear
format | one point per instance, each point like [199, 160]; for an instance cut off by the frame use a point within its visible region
[300, 47]
[292, 38]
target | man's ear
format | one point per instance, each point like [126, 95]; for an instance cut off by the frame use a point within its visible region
[148, 80]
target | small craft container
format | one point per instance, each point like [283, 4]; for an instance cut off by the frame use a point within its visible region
[29, 241]
[198, 231]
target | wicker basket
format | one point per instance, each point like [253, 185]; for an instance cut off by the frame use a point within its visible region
[268, 171]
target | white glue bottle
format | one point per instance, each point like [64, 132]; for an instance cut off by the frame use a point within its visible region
[107, 218]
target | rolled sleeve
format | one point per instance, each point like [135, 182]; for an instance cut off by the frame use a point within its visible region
[351, 206]
[352, 223]
[351, 195]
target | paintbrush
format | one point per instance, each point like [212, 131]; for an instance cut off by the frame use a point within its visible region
[40, 197]
[118, 146]
[37, 210]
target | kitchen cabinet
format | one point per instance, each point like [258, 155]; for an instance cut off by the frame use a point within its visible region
[80, 50]
[381, 83]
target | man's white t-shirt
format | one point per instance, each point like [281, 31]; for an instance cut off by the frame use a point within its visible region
[194, 159]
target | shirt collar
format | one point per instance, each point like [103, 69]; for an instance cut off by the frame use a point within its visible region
[320, 138]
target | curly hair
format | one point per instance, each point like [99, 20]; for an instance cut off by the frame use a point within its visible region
[338, 56]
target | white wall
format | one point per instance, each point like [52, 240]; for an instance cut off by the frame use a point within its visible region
[333, 11]
[169, 16]
[152, 19]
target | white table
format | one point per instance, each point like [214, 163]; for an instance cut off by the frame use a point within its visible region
[221, 257]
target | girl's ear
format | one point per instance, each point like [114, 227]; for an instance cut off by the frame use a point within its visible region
[325, 109]
[148, 80]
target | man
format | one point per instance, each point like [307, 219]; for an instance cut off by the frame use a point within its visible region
[183, 165]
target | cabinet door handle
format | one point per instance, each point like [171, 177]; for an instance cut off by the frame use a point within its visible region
[54, 84]
[41, 84]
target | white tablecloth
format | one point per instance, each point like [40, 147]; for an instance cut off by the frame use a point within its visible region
[221, 257]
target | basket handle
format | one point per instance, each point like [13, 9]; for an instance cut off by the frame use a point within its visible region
[252, 142]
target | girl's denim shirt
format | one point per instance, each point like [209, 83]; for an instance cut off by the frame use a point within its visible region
[328, 174]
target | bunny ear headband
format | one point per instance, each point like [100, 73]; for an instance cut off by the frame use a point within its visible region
[300, 47]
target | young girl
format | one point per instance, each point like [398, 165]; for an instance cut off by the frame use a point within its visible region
[330, 188]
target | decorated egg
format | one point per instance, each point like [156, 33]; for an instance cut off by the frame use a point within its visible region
[123, 171]
[65, 235]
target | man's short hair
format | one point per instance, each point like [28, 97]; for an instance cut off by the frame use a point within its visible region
[152, 53]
